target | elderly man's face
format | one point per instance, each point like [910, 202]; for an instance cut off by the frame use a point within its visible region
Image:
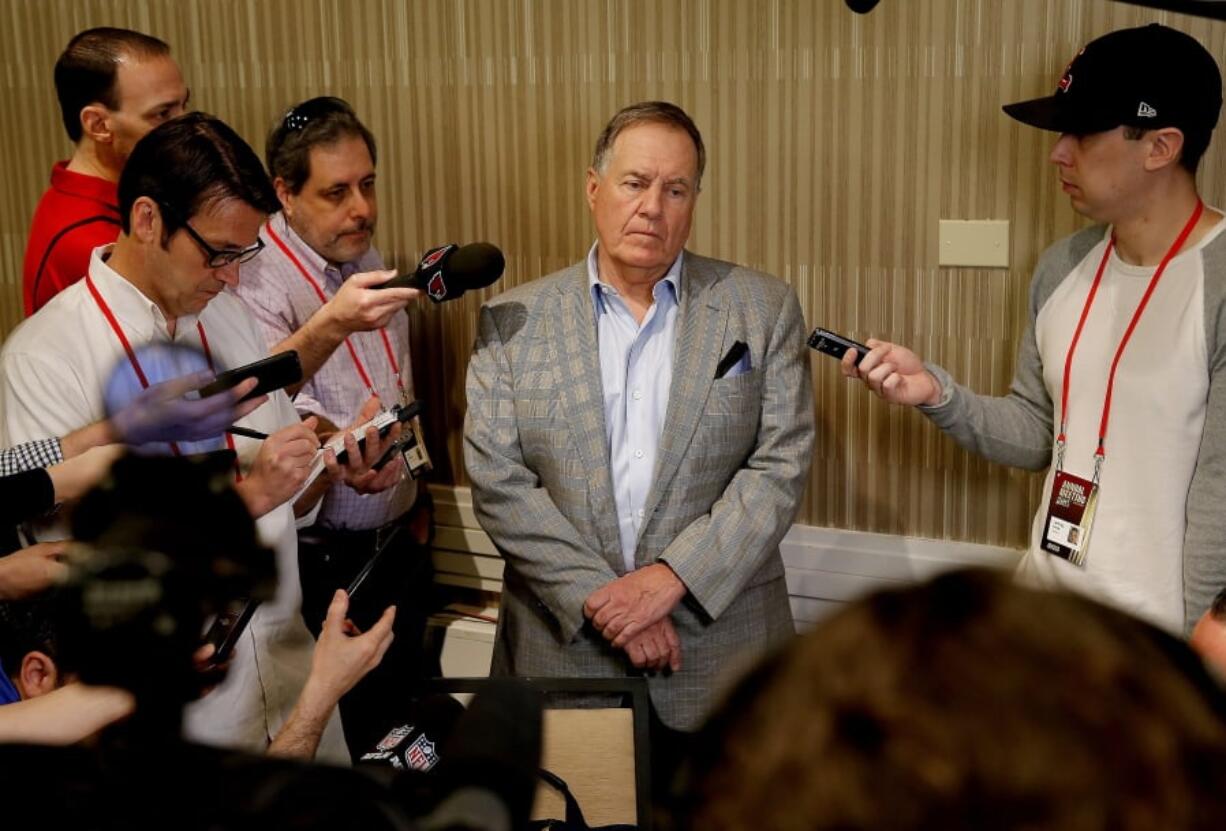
[643, 202]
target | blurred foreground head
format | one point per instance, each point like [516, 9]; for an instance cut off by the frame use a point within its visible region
[166, 542]
[968, 702]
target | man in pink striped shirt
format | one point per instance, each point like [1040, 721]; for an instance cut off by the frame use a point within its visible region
[316, 290]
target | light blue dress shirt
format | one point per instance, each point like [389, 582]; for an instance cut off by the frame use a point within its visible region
[636, 373]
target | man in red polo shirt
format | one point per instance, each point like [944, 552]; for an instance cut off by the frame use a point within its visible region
[114, 86]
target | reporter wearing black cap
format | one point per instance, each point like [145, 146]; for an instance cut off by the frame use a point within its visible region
[1143, 290]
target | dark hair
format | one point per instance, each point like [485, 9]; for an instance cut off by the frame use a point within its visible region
[648, 112]
[188, 163]
[968, 702]
[316, 121]
[1195, 143]
[33, 624]
[85, 73]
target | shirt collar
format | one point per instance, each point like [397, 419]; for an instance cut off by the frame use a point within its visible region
[84, 186]
[142, 319]
[309, 257]
[671, 280]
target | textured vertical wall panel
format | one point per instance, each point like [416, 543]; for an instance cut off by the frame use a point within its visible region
[835, 142]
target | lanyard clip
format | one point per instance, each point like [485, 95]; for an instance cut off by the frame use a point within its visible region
[1098, 464]
[1060, 452]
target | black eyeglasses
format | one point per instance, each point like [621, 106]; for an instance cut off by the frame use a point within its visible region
[219, 257]
[300, 116]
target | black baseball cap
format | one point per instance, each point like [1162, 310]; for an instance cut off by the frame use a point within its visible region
[1151, 76]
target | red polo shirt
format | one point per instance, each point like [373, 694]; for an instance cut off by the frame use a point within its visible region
[75, 215]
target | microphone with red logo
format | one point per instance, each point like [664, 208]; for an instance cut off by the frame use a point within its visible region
[448, 271]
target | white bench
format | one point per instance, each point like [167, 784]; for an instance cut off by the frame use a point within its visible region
[826, 567]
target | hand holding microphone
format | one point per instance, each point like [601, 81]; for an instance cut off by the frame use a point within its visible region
[368, 300]
[359, 307]
[448, 271]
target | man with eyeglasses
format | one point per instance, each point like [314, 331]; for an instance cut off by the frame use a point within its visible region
[114, 86]
[192, 198]
[315, 288]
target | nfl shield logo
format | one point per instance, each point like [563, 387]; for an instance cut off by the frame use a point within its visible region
[421, 754]
[395, 737]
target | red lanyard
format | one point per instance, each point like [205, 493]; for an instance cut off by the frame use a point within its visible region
[1101, 452]
[136, 367]
[323, 298]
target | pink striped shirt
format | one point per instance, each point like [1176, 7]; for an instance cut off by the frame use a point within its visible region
[281, 299]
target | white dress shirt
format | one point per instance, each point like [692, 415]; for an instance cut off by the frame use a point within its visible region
[53, 370]
[636, 374]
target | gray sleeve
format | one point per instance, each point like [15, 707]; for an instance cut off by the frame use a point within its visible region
[511, 504]
[1015, 429]
[1204, 546]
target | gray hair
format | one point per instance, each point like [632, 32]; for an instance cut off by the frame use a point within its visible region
[648, 112]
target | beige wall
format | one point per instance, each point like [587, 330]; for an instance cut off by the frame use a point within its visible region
[836, 143]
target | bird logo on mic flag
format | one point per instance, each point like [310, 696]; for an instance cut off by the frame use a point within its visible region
[432, 257]
[437, 287]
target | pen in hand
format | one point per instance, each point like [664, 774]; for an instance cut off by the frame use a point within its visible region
[234, 429]
[243, 431]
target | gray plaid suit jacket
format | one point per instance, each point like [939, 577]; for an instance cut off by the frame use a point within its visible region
[731, 467]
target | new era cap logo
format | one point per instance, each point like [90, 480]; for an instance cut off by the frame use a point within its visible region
[1146, 111]
[1066, 80]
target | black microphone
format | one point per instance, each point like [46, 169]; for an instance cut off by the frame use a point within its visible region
[415, 744]
[861, 6]
[448, 271]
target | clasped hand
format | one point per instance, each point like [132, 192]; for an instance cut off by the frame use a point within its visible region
[632, 613]
[360, 305]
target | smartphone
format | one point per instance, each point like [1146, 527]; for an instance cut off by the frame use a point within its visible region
[228, 627]
[827, 342]
[275, 372]
[383, 423]
[364, 617]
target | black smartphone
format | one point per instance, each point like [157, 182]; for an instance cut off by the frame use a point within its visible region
[228, 627]
[274, 372]
[829, 343]
[383, 422]
[364, 617]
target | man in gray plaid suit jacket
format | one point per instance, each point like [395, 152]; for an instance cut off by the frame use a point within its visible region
[638, 437]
